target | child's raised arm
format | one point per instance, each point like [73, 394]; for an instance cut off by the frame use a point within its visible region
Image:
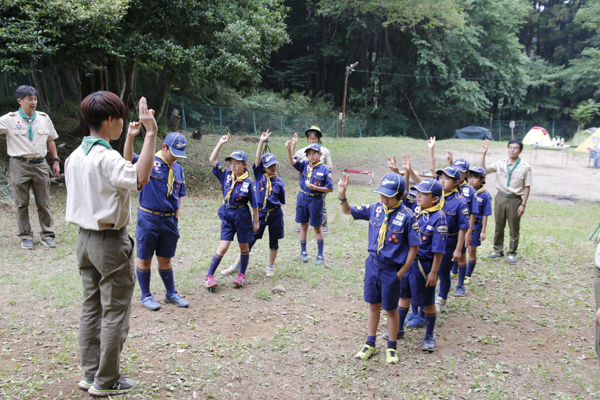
[290, 145]
[342, 186]
[132, 131]
[430, 146]
[261, 143]
[408, 171]
[215, 153]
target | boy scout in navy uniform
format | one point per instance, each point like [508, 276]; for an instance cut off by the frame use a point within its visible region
[484, 200]
[99, 183]
[29, 136]
[393, 245]
[315, 180]
[270, 196]
[157, 219]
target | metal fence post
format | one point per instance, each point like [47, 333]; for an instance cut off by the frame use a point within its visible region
[281, 123]
[404, 128]
[524, 124]
[183, 116]
[254, 121]
[499, 131]
[381, 127]
[332, 127]
[553, 129]
[359, 130]
[220, 121]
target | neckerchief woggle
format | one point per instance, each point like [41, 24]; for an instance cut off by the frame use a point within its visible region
[30, 121]
[310, 171]
[171, 178]
[383, 228]
[510, 171]
[90, 141]
[235, 181]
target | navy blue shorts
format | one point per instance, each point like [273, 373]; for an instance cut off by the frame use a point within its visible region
[236, 221]
[155, 234]
[309, 209]
[475, 235]
[414, 281]
[382, 284]
[274, 220]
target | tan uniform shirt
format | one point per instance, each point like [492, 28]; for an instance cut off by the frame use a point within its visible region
[17, 138]
[99, 189]
[520, 177]
[325, 156]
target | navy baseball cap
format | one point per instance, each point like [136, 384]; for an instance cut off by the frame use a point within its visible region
[177, 144]
[413, 192]
[268, 159]
[313, 146]
[429, 185]
[453, 172]
[391, 184]
[237, 155]
[480, 171]
[461, 164]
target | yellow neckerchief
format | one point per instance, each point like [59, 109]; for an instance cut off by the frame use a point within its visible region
[480, 190]
[443, 200]
[171, 178]
[268, 188]
[430, 209]
[235, 181]
[310, 171]
[384, 225]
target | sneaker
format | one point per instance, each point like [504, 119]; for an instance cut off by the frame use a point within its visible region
[429, 343]
[320, 260]
[123, 385]
[240, 280]
[496, 255]
[460, 291]
[150, 303]
[48, 243]
[400, 334]
[511, 259]
[175, 298]
[366, 352]
[304, 256]
[439, 303]
[391, 356]
[210, 282]
[409, 318]
[468, 280]
[86, 383]
[233, 268]
[454, 275]
[298, 229]
[27, 244]
[269, 270]
[416, 322]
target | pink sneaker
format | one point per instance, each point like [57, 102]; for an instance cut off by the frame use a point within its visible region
[210, 282]
[240, 280]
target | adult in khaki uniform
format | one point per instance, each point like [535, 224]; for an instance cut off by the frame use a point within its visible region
[597, 295]
[513, 181]
[99, 184]
[29, 136]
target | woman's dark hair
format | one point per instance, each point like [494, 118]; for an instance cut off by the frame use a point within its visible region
[24, 91]
[517, 141]
[99, 106]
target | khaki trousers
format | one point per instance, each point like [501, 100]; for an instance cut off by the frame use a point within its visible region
[597, 295]
[24, 175]
[108, 277]
[505, 209]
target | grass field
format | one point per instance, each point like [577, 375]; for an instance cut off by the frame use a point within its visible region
[523, 331]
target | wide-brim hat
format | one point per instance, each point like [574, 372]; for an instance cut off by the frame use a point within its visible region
[314, 129]
[391, 184]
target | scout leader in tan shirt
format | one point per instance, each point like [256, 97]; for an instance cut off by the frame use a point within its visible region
[29, 136]
[513, 181]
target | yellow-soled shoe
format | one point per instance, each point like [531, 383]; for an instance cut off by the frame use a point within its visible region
[391, 356]
[366, 352]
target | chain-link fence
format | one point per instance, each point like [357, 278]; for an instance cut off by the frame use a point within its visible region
[220, 120]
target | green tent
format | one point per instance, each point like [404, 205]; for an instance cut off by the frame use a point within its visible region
[581, 136]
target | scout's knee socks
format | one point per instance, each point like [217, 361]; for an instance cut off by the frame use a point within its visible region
[414, 307]
[470, 267]
[214, 264]
[455, 267]
[371, 340]
[303, 246]
[429, 324]
[402, 313]
[462, 271]
[167, 278]
[244, 258]
[445, 284]
[320, 245]
[144, 281]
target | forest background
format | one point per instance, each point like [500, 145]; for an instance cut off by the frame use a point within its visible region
[457, 61]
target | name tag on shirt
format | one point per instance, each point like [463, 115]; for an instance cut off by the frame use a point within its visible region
[429, 228]
[319, 174]
[245, 187]
[399, 219]
[466, 192]
[479, 199]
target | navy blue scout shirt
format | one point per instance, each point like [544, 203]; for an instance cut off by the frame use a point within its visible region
[321, 176]
[410, 202]
[277, 196]
[457, 213]
[154, 194]
[484, 199]
[243, 192]
[468, 192]
[399, 237]
[433, 231]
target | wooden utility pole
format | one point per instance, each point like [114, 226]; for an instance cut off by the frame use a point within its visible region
[348, 72]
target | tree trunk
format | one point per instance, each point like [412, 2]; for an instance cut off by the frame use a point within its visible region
[130, 103]
[49, 70]
[42, 89]
[160, 99]
[90, 84]
[123, 79]
[73, 82]
[113, 70]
